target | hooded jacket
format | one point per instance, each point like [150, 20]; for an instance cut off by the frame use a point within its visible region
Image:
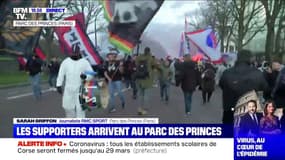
[237, 81]
[189, 76]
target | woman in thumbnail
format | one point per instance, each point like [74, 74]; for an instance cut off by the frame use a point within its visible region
[269, 123]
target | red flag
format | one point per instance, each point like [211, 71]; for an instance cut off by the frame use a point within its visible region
[40, 53]
[22, 60]
[69, 36]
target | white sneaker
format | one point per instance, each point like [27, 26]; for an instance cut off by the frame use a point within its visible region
[112, 110]
[142, 112]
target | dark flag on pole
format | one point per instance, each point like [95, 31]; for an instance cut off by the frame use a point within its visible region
[128, 19]
[19, 40]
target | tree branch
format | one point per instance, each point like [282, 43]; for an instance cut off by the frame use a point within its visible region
[253, 35]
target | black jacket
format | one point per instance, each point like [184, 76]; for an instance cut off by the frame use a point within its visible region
[239, 80]
[208, 80]
[247, 124]
[129, 69]
[189, 76]
[34, 66]
[271, 79]
[278, 92]
[113, 71]
[53, 67]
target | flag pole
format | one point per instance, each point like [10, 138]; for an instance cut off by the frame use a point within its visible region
[186, 24]
[138, 47]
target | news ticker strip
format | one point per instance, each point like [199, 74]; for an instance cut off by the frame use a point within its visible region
[85, 120]
[167, 149]
[43, 23]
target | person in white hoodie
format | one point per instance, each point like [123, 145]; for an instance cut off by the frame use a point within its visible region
[72, 72]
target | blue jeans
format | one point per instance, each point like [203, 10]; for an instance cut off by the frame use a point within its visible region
[52, 80]
[128, 83]
[113, 86]
[35, 82]
[164, 88]
[132, 83]
[143, 94]
[188, 100]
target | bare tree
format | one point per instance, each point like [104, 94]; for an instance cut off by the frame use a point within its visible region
[202, 17]
[217, 15]
[93, 13]
[272, 10]
[221, 19]
[208, 12]
[280, 28]
[249, 22]
[194, 20]
[48, 32]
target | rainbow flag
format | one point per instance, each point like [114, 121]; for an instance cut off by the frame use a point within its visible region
[128, 19]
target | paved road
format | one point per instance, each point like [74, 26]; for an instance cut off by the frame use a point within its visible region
[19, 102]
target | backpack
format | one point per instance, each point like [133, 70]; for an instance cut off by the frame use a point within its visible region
[129, 66]
[209, 74]
[142, 70]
